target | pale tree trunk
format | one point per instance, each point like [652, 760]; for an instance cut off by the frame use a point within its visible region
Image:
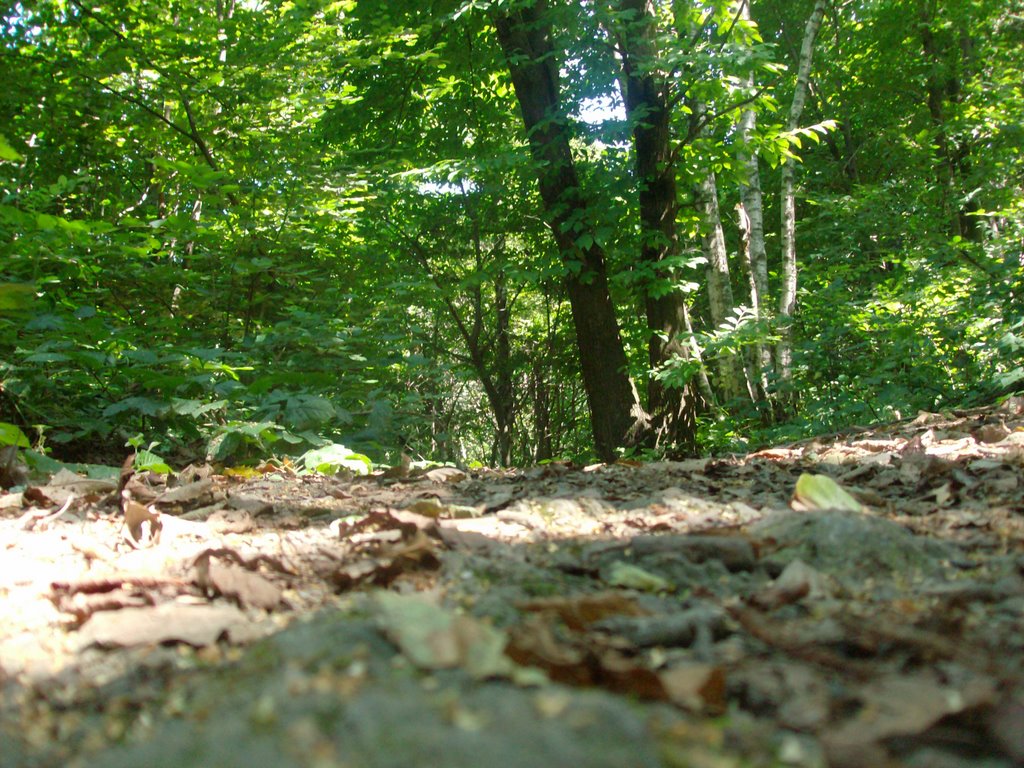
[750, 191]
[751, 216]
[616, 416]
[720, 297]
[787, 297]
[644, 92]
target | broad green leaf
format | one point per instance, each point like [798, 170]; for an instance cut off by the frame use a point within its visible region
[307, 412]
[330, 458]
[146, 406]
[15, 296]
[11, 434]
[7, 152]
[147, 461]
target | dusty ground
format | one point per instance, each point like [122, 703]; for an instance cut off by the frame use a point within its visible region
[851, 601]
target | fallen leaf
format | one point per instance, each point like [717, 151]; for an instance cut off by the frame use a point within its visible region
[195, 625]
[186, 493]
[230, 521]
[432, 637]
[578, 612]
[696, 687]
[818, 492]
[136, 516]
[417, 553]
[905, 706]
[797, 580]
[445, 475]
[621, 574]
[246, 587]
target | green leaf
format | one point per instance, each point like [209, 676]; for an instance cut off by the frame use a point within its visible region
[817, 492]
[15, 296]
[331, 458]
[307, 412]
[144, 405]
[7, 152]
[11, 434]
[147, 461]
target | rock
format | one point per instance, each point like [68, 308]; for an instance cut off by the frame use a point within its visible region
[849, 546]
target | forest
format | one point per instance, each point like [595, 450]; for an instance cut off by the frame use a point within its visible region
[502, 232]
[603, 383]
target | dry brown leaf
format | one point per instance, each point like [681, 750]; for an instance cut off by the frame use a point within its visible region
[695, 687]
[797, 580]
[230, 521]
[432, 637]
[904, 706]
[578, 612]
[196, 625]
[445, 475]
[187, 493]
[417, 553]
[136, 517]
[247, 588]
[623, 674]
[532, 643]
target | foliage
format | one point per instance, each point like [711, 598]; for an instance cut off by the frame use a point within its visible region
[252, 228]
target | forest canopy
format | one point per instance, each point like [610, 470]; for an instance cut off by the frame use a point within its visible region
[503, 231]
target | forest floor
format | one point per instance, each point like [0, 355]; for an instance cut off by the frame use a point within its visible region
[856, 600]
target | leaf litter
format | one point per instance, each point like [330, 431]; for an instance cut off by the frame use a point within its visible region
[856, 600]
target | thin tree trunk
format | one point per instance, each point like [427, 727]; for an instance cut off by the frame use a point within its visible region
[720, 297]
[787, 297]
[943, 85]
[615, 412]
[750, 191]
[506, 410]
[753, 252]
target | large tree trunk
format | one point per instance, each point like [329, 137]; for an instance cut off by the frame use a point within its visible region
[787, 298]
[646, 102]
[615, 412]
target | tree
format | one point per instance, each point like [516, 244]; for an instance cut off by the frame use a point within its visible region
[787, 297]
[616, 414]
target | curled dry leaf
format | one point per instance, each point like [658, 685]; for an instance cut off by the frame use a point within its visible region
[136, 517]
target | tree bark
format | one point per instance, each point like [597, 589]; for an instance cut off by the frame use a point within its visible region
[646, 101]
[750, 191]
[720, 297]
[616, 415]
[943, 86]
[751, 214]
[787, 297]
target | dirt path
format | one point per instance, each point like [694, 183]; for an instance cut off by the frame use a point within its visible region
[855, 601]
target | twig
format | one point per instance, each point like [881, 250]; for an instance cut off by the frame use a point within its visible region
[37, 516]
